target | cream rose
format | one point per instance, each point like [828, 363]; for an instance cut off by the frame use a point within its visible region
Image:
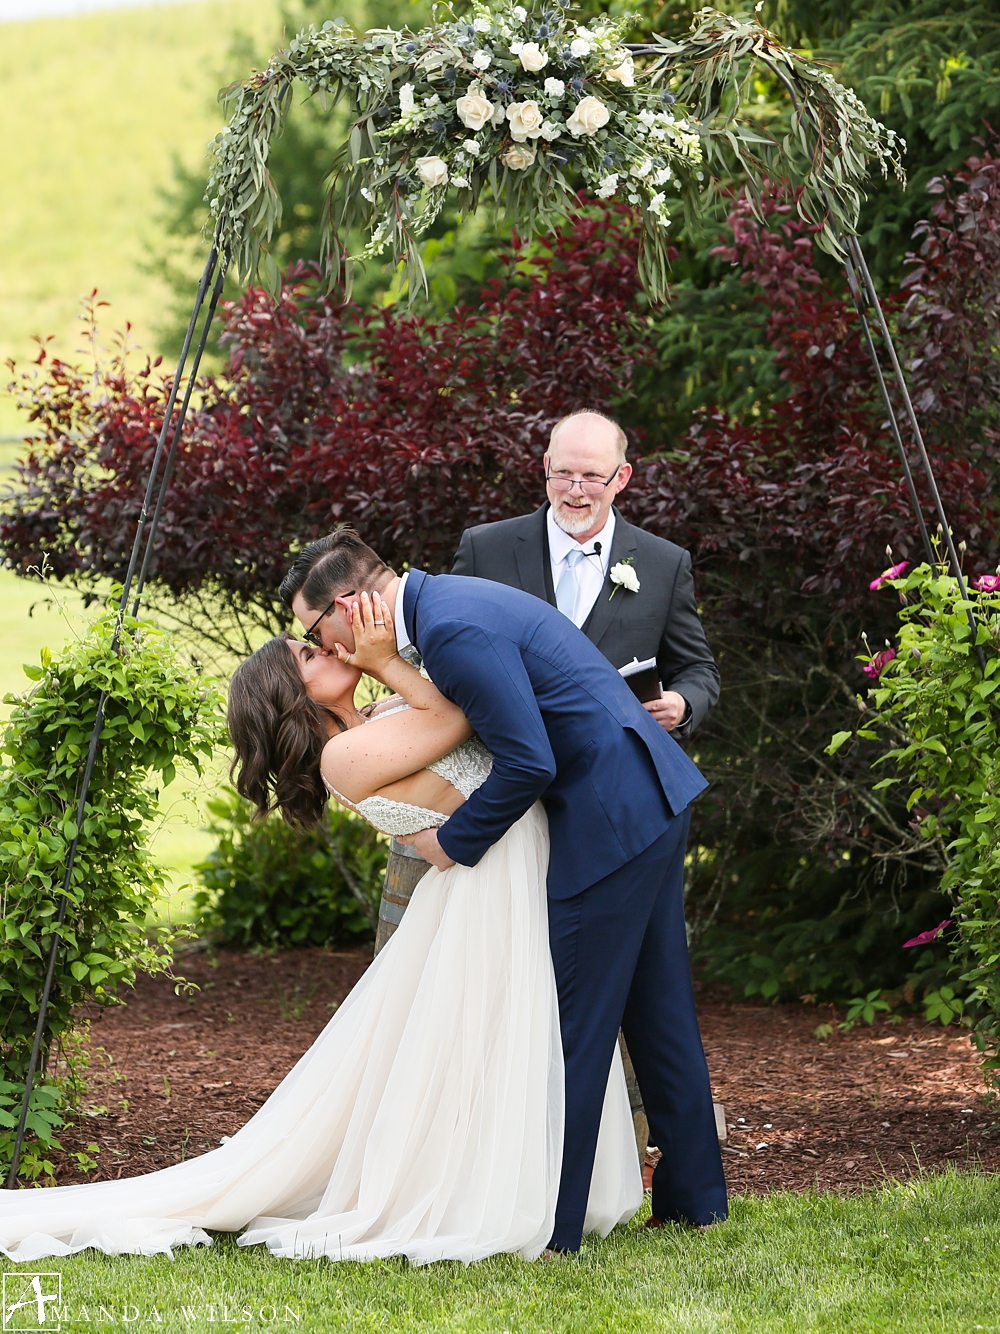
[474, 111]
[525, 121]
[588, 117]
[518, 157]
[623, 71]
[532, 59]
[432, 170]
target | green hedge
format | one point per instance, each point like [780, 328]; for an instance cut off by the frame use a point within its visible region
[266, 885]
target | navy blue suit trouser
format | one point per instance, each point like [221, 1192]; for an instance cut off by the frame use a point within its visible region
[620, 955]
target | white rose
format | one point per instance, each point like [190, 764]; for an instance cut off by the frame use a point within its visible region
[608, 186]
[482, 59]
[518, 157]
[520, 13]
[499, 118]
[531, 58]
[550, 130]
[471, 146]
[482, 25]
[406, 99]
[460, 181]
[515, 48]
[580, 46]
[525, 121]
[625, 575]
[554, 88]
[432, 170]
[624, 70]
[590, 114]
[474, 110]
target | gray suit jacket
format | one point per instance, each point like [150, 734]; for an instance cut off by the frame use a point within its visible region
[660, 621]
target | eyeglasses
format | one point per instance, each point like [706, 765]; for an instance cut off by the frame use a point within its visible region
[564, 484]
[310, 636]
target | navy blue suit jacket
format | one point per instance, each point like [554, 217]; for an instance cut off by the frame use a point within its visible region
[560, 723]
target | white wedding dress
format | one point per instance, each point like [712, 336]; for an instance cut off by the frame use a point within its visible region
[426, 1119]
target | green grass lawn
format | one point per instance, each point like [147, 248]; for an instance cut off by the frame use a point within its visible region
[919, 1257]
[95, 108]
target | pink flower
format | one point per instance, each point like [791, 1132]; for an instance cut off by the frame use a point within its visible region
[874, 668]
[893, 572]
[987, 583]
[926, 937]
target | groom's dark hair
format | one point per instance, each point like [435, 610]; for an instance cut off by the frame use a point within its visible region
[331, 565]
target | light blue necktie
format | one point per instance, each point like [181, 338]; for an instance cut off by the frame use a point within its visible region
[566, 592]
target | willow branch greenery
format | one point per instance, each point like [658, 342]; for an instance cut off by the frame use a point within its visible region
[522, 108]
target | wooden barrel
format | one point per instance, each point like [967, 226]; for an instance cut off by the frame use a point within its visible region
[403, 872]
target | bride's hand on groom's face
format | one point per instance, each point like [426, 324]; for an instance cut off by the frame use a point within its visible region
[374, 635]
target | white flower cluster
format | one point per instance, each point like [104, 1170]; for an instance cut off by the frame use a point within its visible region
[523, 92]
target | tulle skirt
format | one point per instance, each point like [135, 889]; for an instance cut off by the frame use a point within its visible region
[425, 1120]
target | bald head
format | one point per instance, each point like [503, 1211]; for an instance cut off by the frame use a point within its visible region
[592, 431]
[587, 448]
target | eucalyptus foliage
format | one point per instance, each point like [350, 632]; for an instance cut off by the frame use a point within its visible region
[157, 714]
[521, 107]
[935, 703]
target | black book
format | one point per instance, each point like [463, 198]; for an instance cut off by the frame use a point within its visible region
[642, 679]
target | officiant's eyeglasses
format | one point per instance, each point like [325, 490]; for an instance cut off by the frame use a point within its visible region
[310, 636]
[588, 488]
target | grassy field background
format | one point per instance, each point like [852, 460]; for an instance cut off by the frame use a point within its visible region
[95, 108]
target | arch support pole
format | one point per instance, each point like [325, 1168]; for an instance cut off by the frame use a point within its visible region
[142, 544]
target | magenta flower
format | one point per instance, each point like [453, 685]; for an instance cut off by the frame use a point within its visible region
[926, 937]
[874, 668]
[893, 572]
[987, 583]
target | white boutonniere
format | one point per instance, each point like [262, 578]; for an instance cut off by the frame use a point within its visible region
[624, 576]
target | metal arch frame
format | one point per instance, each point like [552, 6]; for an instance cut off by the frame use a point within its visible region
[145, 536]
[865, 298]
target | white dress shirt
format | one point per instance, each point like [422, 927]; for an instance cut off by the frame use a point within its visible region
[398, 624]
[591, 572]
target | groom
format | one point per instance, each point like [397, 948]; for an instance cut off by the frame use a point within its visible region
[563, 726]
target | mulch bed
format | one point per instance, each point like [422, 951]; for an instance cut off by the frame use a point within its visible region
[891, 1100]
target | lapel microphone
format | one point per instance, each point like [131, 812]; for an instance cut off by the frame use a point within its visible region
[597, 549]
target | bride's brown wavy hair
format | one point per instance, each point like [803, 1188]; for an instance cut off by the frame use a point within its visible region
[278, 734]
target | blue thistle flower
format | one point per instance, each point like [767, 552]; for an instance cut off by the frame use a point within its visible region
[542, 32]
[504, 87]
[438, 126]
[450, 75]
[668, 99]
[410, 47]
[607, 160]
[577, 85]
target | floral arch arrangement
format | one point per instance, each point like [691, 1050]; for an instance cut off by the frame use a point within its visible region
[522, 105]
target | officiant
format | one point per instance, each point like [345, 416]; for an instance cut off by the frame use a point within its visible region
[632, 594]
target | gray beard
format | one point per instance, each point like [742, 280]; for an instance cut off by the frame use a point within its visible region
[570, 525]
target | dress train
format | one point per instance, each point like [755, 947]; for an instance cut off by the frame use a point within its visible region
[425, 1120]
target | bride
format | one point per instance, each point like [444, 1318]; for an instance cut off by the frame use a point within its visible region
[426, 1119]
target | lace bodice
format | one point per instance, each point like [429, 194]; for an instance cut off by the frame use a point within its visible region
[465, 768]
